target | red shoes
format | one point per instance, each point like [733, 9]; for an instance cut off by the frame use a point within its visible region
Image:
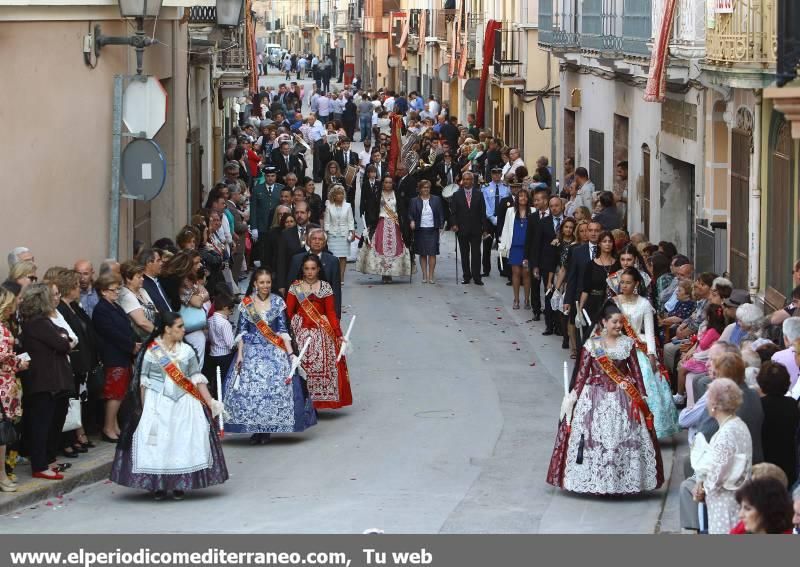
[55, 476]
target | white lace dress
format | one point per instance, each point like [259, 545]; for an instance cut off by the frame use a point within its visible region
[659, 390]
[729, 466]
[607, 448]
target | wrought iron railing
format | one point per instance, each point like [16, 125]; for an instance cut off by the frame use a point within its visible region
[507, 61]
[443, 19]
[746, 36]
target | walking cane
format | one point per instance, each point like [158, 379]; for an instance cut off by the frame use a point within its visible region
[455, 237]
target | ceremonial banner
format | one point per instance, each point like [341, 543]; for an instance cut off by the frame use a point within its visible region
[488, 57]
[656, 89]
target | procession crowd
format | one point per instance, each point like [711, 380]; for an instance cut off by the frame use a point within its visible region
[135, 351]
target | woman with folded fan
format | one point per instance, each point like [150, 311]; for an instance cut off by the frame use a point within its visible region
[171, 441]
[606, 441]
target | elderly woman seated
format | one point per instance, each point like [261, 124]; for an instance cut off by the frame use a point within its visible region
[748, 324]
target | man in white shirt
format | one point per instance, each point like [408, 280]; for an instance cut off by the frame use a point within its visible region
[514, 162]
[586, 189]
[388, 103]
[433, 106]
[365, 156]
[324, 109]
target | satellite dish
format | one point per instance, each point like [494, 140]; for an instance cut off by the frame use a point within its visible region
[472, 89]
[541, 113]
[393, 61]
[444, 73]
[144, 169]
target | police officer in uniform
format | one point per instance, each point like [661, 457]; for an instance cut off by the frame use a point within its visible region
[497, 196]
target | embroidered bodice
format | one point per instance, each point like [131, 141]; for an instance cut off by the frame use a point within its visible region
[620, 351]
[274, 316]
[640, 315]
[153, 376]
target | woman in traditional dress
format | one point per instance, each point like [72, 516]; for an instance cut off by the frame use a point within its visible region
[638, 324]
[312, 315]
[260, 397]
[606, 442]
[170, 442]
[387, 253]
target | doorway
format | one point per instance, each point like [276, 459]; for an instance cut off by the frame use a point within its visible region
[677, 204]
[741, 142]
[621, 124]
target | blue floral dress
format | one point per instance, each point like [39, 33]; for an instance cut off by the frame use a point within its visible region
[258, 400]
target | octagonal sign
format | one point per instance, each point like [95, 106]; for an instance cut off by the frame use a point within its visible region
[144, 107]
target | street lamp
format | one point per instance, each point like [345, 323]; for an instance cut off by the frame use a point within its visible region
[138, 9]
[229, 13]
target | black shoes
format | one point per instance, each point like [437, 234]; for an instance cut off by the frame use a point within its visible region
[547, 332]
[537, 316]
[465, 281]
[478, 282]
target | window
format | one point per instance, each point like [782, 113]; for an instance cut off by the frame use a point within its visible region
[780, 214]
[597, 158]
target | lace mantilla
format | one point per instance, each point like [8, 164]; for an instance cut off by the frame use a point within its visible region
[620, 351]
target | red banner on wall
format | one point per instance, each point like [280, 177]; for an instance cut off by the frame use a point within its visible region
[488, 58]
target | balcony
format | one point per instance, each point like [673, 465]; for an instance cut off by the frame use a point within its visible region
[442, 20]
[470, 36]
[744, 39]
[348, 19]
[311, 21]
[607, 28]
[508, 67]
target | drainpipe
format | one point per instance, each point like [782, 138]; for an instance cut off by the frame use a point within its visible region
[116, 144]
[754, 252]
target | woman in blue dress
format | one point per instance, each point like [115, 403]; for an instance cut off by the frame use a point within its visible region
[512, 245]
[260, 396]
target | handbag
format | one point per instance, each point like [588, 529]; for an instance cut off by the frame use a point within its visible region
[194, 318]
[73, 420]
[8, 433]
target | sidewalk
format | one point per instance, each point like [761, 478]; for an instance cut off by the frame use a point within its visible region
[88, 468]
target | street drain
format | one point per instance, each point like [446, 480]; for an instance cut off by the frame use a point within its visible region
[436, 414]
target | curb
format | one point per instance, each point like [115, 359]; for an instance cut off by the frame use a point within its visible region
[33, 490]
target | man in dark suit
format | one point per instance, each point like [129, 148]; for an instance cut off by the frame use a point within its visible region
[266, 196]
[344, 156]
[324, 151]
[469, 222]
[292, 241]
[380, 165]
[315, 244]
[445, 172]
[150, 258]
[579, 259]
[286, 163]
[540, 214]
[545, 256]
[406, 185]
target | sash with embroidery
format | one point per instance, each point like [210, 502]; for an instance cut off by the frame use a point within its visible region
[260, 324]
[391, 214]
[321, 322]
[171, 369]
[640, 344]
[630, 389]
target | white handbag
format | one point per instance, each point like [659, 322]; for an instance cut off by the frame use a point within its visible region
[73, 420]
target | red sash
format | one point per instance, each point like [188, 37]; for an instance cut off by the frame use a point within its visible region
[321, 322]
[640, 345]
[171, 369]
[260, 324]
[630, 389]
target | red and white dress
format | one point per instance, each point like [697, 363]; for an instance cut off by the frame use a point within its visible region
[313, 316]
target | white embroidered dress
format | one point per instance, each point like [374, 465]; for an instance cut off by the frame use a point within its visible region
[173, 433]
[658, 390]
